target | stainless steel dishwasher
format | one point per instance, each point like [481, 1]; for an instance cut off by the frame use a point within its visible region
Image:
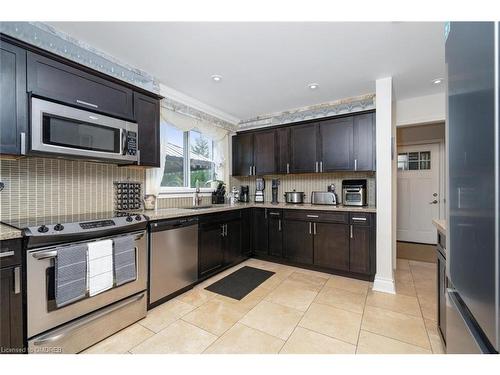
[173, 261]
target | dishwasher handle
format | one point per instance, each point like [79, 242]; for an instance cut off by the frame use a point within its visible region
[157, 226]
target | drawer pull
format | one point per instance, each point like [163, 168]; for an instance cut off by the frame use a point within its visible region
[313, 216]
[359, 218]
[274, 213]
[87, 103]
[17, 280]
[6, 254]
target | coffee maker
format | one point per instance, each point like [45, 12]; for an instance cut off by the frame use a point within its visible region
[244, 194]
[274, 188]
[260, 184]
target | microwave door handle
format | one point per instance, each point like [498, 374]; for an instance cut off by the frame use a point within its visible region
[123, 140]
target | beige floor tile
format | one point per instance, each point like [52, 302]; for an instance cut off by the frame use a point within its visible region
[304, 341]
[370, 343]
[423, 265]
[340, 324]
[274, 319]
[215, 316]
[271, 283]
[162, 316]
[121, 342]
[179, 338]
[196, 297]
[402, 264]
[403, 327]
[351, 285]
[406, 289]
[403, 276]
[434, 337]
[241, 339]
[248, 302]
[293, 294]
[428, 305]
[309, 279]
[428, 286]
[341, 299]
[394, 302]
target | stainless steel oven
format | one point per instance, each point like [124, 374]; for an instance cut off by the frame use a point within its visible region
[74, 327]
[354, 193]
[60, 130]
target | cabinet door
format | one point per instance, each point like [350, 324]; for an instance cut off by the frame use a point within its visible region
[11, 309]
[336, 138]
[364, 142]
[147, 114]
[242, 154]
[210, 250]
[246, 232]
[303, 148]
[283, 152]
[67, 84]
[265, 152]
[13, 98]
[360, 249]
[232, 242]
[260, 232]
[298, 241]
[331, 246]
[275, 236]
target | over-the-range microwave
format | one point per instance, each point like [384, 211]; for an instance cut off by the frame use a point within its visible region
[62, 131]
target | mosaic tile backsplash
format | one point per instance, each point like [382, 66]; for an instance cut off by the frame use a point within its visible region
[46, 187]
[307, 183]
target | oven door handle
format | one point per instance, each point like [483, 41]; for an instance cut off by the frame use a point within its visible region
[45, 254]
[71, 327]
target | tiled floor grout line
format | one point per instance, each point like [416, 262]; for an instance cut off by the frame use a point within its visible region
[361, 323]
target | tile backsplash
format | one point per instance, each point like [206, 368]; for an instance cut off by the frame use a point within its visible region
[307, 183]
[48, 187]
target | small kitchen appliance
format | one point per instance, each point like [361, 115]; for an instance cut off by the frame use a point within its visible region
[294, 197]
[260, 184]
[354, 193]
[325, 197]
[219, 195]
[244, 194]
[274, 190]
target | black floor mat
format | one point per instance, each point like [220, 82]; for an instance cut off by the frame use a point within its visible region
[241, 282]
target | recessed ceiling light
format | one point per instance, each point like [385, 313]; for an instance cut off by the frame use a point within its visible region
[437, 81]
[313, 86]
[216, 78]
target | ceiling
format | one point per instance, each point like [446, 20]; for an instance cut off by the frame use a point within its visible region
[266, 67]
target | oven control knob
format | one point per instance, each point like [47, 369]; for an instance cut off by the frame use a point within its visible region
[138, 218]
[129, 218]
[58, 227]
[43, 229]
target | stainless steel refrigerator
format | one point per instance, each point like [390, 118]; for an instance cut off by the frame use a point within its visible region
[472, 311]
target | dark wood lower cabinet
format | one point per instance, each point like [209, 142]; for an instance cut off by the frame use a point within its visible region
[246, 232]
[298, 241]
[275, 233]
[360, 249]
[331, 246]
[210, 251]
[260, 232]
[232, 242]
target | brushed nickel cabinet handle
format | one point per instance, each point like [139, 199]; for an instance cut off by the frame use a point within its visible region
[310, 228]
[279, 225]
[351, 232]
[87, 103]
[17, 280]
[287, 167]
[23, 143]
[6, 254]
[313, 216]
[321, 166]
[250, 173]
[315, 229]
[355, 164]
[359, 218]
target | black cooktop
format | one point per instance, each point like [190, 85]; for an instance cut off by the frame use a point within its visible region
[23, 223]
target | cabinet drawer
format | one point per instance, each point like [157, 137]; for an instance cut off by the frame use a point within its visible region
[323, 216]
[64, 83]
[220, 217]
[361, 218]
[10, 252]
[276, 214]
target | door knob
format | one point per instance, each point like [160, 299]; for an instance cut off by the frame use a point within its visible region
[433, 202]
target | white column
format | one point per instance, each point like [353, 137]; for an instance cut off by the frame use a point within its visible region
[386, 187]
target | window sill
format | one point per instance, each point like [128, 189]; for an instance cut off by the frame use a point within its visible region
[184, 192]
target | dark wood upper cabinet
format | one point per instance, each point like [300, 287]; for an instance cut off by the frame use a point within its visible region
[147, 114]
[64, 83]
[264, 153]
[331, 246]
[304, 148]
[283, 152]
[13, 98]
[336, 140]
[364, 142]
[243, 146]
[298, 241]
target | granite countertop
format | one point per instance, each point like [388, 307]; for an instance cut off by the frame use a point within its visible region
[440, 225]
[7, 232]
[171, 213]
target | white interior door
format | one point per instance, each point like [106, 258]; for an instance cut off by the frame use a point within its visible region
[418, 192]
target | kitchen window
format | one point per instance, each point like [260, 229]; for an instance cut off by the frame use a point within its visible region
[189, 160]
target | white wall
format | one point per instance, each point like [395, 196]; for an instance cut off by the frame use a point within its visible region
[386, 187]
[420, 110]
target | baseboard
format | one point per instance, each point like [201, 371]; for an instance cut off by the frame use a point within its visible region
[415, 251]
[383, 284]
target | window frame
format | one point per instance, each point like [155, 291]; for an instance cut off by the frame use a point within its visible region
[182, 191]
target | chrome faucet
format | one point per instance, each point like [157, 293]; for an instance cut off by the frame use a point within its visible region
[197, 196]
